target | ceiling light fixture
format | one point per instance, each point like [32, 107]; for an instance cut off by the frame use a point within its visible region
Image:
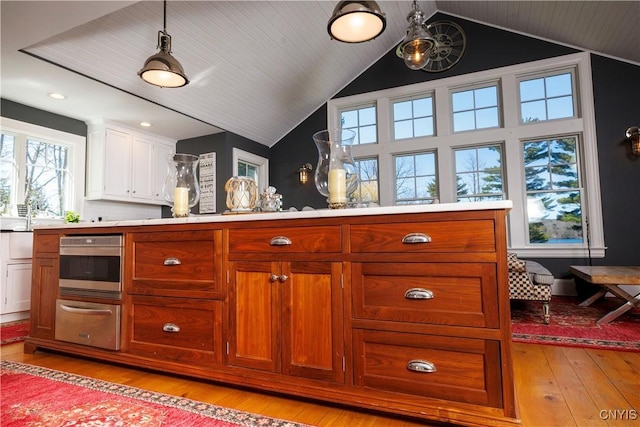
[356, 21]
[418, 44]
[145, 124]
[56, 95]
[162, 69]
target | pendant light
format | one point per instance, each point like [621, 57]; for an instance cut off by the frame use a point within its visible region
[356, 21]
[162, 69]
[418, 44]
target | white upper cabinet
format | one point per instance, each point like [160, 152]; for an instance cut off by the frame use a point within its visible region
[126, 165]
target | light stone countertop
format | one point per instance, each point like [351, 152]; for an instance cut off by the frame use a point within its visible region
[313, 213]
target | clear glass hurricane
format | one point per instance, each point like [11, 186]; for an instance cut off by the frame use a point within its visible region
[336, 175]
[181, 188]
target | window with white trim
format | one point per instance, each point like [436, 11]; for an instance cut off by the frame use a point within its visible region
[524, 133]
[41, 169]
[361, 120]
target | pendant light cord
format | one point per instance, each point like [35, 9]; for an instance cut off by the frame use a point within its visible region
[165, 17]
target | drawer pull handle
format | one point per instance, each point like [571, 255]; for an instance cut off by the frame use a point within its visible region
[421, 366]
[280, 241]
[172, 261]
[413, 238]
[170, 327]
[418, 293]
[89, 311]
[273, 278]
[283, 278]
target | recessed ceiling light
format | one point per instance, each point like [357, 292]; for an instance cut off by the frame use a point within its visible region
[145, 124]
[56, 95]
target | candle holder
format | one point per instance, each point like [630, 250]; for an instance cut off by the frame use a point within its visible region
[336, 175]
[242, 193]
[181, 188]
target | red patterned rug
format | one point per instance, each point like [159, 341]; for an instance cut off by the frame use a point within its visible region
[572, 325]
[14, 331]
[37, 396]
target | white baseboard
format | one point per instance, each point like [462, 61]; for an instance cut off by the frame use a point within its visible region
[14, 317]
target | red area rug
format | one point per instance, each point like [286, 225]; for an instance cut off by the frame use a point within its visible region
[575, 326]
[14, 332]
[37, 396]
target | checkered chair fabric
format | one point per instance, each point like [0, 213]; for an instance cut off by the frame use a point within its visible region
[529, 280]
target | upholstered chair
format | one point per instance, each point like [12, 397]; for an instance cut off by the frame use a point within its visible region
[529, 280]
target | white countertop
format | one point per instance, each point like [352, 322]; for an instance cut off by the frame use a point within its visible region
[314, 213]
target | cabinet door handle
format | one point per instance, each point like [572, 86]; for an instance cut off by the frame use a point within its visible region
[418, 293]
[170, 327]
[421, 366]
[413, 238]
[280, 241]
[172, 261]
[273, 278]
[283, 278]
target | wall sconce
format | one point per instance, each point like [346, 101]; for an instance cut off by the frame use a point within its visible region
[633, 136]
[303, 173]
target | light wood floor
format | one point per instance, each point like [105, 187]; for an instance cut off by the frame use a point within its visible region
[556, 386]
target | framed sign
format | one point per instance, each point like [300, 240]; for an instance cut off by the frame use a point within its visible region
[207, 183]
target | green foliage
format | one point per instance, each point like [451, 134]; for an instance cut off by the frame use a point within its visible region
[71, 217]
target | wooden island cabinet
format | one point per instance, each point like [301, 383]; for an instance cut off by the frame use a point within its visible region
[403, 310]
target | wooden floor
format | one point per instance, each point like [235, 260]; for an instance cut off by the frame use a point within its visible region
[556, 386]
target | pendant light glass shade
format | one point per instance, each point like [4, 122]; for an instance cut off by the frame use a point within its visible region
[162, 69]
[418, 44]
[356, 21]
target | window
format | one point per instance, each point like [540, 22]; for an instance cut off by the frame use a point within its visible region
[416, 178]
[554, 208]
[475, 109]
[363, 122]
[367, 191]
[479, 174]
[546, 98]
[413, 118]
[251, 165]
[527, 136]
[41, 168]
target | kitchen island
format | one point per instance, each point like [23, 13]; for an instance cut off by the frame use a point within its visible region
[402, 310]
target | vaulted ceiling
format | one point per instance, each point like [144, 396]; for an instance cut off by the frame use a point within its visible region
[257, 68]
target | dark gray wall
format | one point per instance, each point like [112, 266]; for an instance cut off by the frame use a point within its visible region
[23, 113]
[222, 144]
[616, 94]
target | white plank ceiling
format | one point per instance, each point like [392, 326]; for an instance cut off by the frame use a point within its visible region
[257, 68]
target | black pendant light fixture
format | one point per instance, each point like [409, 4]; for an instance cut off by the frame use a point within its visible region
[356, 21]
[162, 69]
[418, 44]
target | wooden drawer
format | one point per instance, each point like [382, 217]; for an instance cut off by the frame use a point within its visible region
[465, 370]
[437, 293]
[182, 261]
[317, 239]
[428, 236]
[176, 329]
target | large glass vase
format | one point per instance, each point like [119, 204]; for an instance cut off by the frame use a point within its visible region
[181, 187]
[336, 176]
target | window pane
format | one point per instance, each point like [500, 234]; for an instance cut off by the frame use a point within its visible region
[47, 177]
[7, 169]
[546, 98]
[413, 118]
[554, 206]
[479, 173]
[367, 191]
[363, 122]
[475, 109]
[416, 178]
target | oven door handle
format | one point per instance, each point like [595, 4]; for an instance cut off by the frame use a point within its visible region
[90, 311]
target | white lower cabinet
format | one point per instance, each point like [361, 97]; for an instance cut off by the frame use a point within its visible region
[15, 273]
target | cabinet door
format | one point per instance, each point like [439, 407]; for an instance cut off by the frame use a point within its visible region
[254, 316]
[44, 291]
[163, 152]
[117, 174]
[142, 168]
[18, 293]
[311, 311]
